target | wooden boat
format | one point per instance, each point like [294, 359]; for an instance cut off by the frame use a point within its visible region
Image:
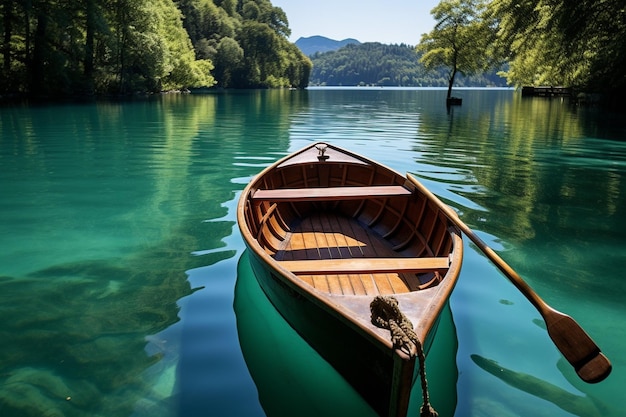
[329, 231]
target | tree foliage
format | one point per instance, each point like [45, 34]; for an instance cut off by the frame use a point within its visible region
[386, 65]
[578, 44]
[459, 41]
[122, 46]
[247, 42]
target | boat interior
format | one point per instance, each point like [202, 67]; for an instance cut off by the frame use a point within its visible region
[349, 227]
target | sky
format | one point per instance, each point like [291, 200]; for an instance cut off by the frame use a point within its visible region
[385, 21]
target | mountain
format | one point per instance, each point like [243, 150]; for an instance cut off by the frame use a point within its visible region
[321, 44]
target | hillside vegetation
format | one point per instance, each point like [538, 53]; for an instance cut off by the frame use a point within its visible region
[374, 63]
[60, 48]
[577, 44]
[313, 44]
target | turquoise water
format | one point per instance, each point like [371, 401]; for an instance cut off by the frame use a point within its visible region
[125, 290]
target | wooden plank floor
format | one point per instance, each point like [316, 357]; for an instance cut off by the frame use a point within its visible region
[328, 236]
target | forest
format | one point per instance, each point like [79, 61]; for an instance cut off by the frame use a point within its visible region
[576, 44]
[378, 64]
[118, 47]
[579, 44]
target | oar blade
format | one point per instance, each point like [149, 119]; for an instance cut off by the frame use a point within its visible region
[578, 348]
[596, 369]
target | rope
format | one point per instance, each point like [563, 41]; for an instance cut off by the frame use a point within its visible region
[386, 314]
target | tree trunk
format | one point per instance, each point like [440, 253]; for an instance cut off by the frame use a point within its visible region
[6, 49]
[451, 82]
[40, 51]
[88, 64]
[27, 34]
[121, 29]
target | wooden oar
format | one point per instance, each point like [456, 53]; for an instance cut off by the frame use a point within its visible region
[579, 349]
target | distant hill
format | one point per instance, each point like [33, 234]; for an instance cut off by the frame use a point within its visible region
[373, 63]
[321, 44]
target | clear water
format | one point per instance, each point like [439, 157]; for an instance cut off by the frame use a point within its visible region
[125, 289]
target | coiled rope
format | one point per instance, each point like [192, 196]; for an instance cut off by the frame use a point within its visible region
[386, 314]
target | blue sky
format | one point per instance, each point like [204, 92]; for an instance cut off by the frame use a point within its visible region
[385, 21]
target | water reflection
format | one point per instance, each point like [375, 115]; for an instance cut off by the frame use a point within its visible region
[537, 172]
[578, 405]
[293, 379]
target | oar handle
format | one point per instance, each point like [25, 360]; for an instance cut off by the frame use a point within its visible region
[513, 276]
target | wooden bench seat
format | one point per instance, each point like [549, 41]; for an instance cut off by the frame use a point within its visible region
[330, 193]
[365, 265]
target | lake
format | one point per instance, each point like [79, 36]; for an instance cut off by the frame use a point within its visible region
[125, 289]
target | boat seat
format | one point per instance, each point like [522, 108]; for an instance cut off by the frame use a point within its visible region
[365, 265]
[331, 193]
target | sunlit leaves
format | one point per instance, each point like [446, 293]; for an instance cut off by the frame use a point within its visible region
[246, 41]
[126, 46]
[559, 42]
[460, 40]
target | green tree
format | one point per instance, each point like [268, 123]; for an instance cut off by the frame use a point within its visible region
[7, 23]
[276, 18]
[297, 67]
[250, 11]
[51, 47]
[91, 19]
[178, 68]
[460, 41]
[260, 45]
[229, 61]
[555, 42]
[102, 46]
[246, 41]
[529, 36]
